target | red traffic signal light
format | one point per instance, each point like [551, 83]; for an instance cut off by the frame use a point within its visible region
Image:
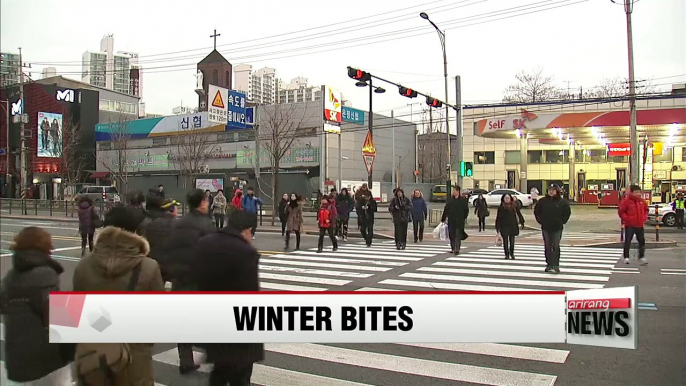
[433, 102]
[407, 92]
[359, 74]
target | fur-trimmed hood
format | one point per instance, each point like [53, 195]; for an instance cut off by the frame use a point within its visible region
[117, 251]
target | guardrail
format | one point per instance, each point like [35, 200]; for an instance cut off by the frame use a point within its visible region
[435, 216]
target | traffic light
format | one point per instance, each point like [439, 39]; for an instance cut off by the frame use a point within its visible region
[466, 169]
[407, 92]
[433, 102]
[360, 75]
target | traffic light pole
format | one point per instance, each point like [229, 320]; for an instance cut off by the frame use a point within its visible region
[371, 125]
[458, 126]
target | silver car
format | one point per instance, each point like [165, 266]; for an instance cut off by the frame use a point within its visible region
[101, 193]
[666, 213]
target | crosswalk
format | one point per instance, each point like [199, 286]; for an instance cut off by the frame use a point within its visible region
[673, 271]
[307, 270]
[486, 270]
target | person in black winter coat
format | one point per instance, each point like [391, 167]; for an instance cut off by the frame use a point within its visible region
[86, 224]
[24, 306]
[455, 213]
[481, 211]
[226, 261]
[158, 231]
[366, 207]
[283, 217]
[552, 212]
[181, 247]
[401, 210]
[507, 223]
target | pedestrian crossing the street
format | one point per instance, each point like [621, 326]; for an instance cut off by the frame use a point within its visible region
[307, 270]
[487, 270]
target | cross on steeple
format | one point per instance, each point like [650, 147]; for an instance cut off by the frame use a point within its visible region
[215, 38]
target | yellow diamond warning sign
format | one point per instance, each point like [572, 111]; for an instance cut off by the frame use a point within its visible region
[218, 102]
[368, 145]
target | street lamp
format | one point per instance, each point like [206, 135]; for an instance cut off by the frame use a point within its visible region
[441, 36]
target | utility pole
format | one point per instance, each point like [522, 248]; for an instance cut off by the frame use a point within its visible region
[633, 132]
[416, 145]
[22, 127]
[371, 127]
[458, 126]
[393, 182]
[257, 150]
[431, 139]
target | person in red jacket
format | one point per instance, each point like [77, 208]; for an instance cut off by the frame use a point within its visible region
[326, 219]
[634, 212]
[236, 200]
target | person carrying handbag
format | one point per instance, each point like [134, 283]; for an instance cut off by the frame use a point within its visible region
[507, 223]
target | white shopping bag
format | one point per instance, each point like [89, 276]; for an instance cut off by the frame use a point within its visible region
[498, 240]
[441, 232]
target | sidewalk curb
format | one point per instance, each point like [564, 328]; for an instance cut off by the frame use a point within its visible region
[39, 218]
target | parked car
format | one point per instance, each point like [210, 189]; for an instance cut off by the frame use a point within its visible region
[494, 198]
[474, 192]
[667, 215]
[439, 193]
[101, 193]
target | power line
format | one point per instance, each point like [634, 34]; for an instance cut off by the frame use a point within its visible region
[408, 33]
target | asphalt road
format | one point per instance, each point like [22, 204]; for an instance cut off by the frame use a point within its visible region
[660, 359]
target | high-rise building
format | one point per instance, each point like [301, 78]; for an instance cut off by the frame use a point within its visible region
[111, 70]
[259, 86]
[9, 69]
[298, 91]
[48, 72]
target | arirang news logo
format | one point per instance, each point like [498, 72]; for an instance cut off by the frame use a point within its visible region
[600, 317]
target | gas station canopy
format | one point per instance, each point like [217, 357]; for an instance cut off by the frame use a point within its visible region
[667, 126]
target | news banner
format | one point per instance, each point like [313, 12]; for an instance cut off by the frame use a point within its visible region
[597, 317]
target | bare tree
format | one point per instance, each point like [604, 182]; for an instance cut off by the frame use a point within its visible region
[531, 88]
[618, 87]
[71, 157]
[280, 128]
[190, 152]
[432, 147]
[118, 164]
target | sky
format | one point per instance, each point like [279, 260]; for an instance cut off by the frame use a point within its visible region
[488, 42]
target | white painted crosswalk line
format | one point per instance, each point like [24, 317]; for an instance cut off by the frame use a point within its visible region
[450, 286]
[338, 260]
[513, 273]
[323, 265]
[521, 259]
[500, 350]
[483, 280]
[382, 252]
[321, 272]
[368, 255]
[304, 279]
[288, 287]
[535, 268]
[413, 366]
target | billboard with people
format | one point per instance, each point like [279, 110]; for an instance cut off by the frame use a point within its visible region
[49, 135]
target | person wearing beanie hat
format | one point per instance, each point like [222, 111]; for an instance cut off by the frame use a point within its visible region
[401, 210]
[552, 212]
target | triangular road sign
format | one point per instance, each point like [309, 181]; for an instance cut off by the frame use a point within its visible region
[218, 102]
[369, 162]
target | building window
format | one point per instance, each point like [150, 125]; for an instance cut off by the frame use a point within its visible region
[556, 156]
[215, 77]
[476, 129]
[683, 154]
[484, 157]
[598, 155]
[666, 156]
[159, 141]
[513, 157]
[534, 156]
[227, 79]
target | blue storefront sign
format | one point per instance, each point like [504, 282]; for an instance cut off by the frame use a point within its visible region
[353, 115]
[236, 118]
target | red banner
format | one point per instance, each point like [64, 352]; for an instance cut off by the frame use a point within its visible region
[618, 149]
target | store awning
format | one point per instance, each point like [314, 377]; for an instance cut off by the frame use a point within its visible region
[99, 175]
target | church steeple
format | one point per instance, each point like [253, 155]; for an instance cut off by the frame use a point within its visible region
[216, 70]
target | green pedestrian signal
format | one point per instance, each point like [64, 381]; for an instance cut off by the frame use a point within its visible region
[466, 169]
